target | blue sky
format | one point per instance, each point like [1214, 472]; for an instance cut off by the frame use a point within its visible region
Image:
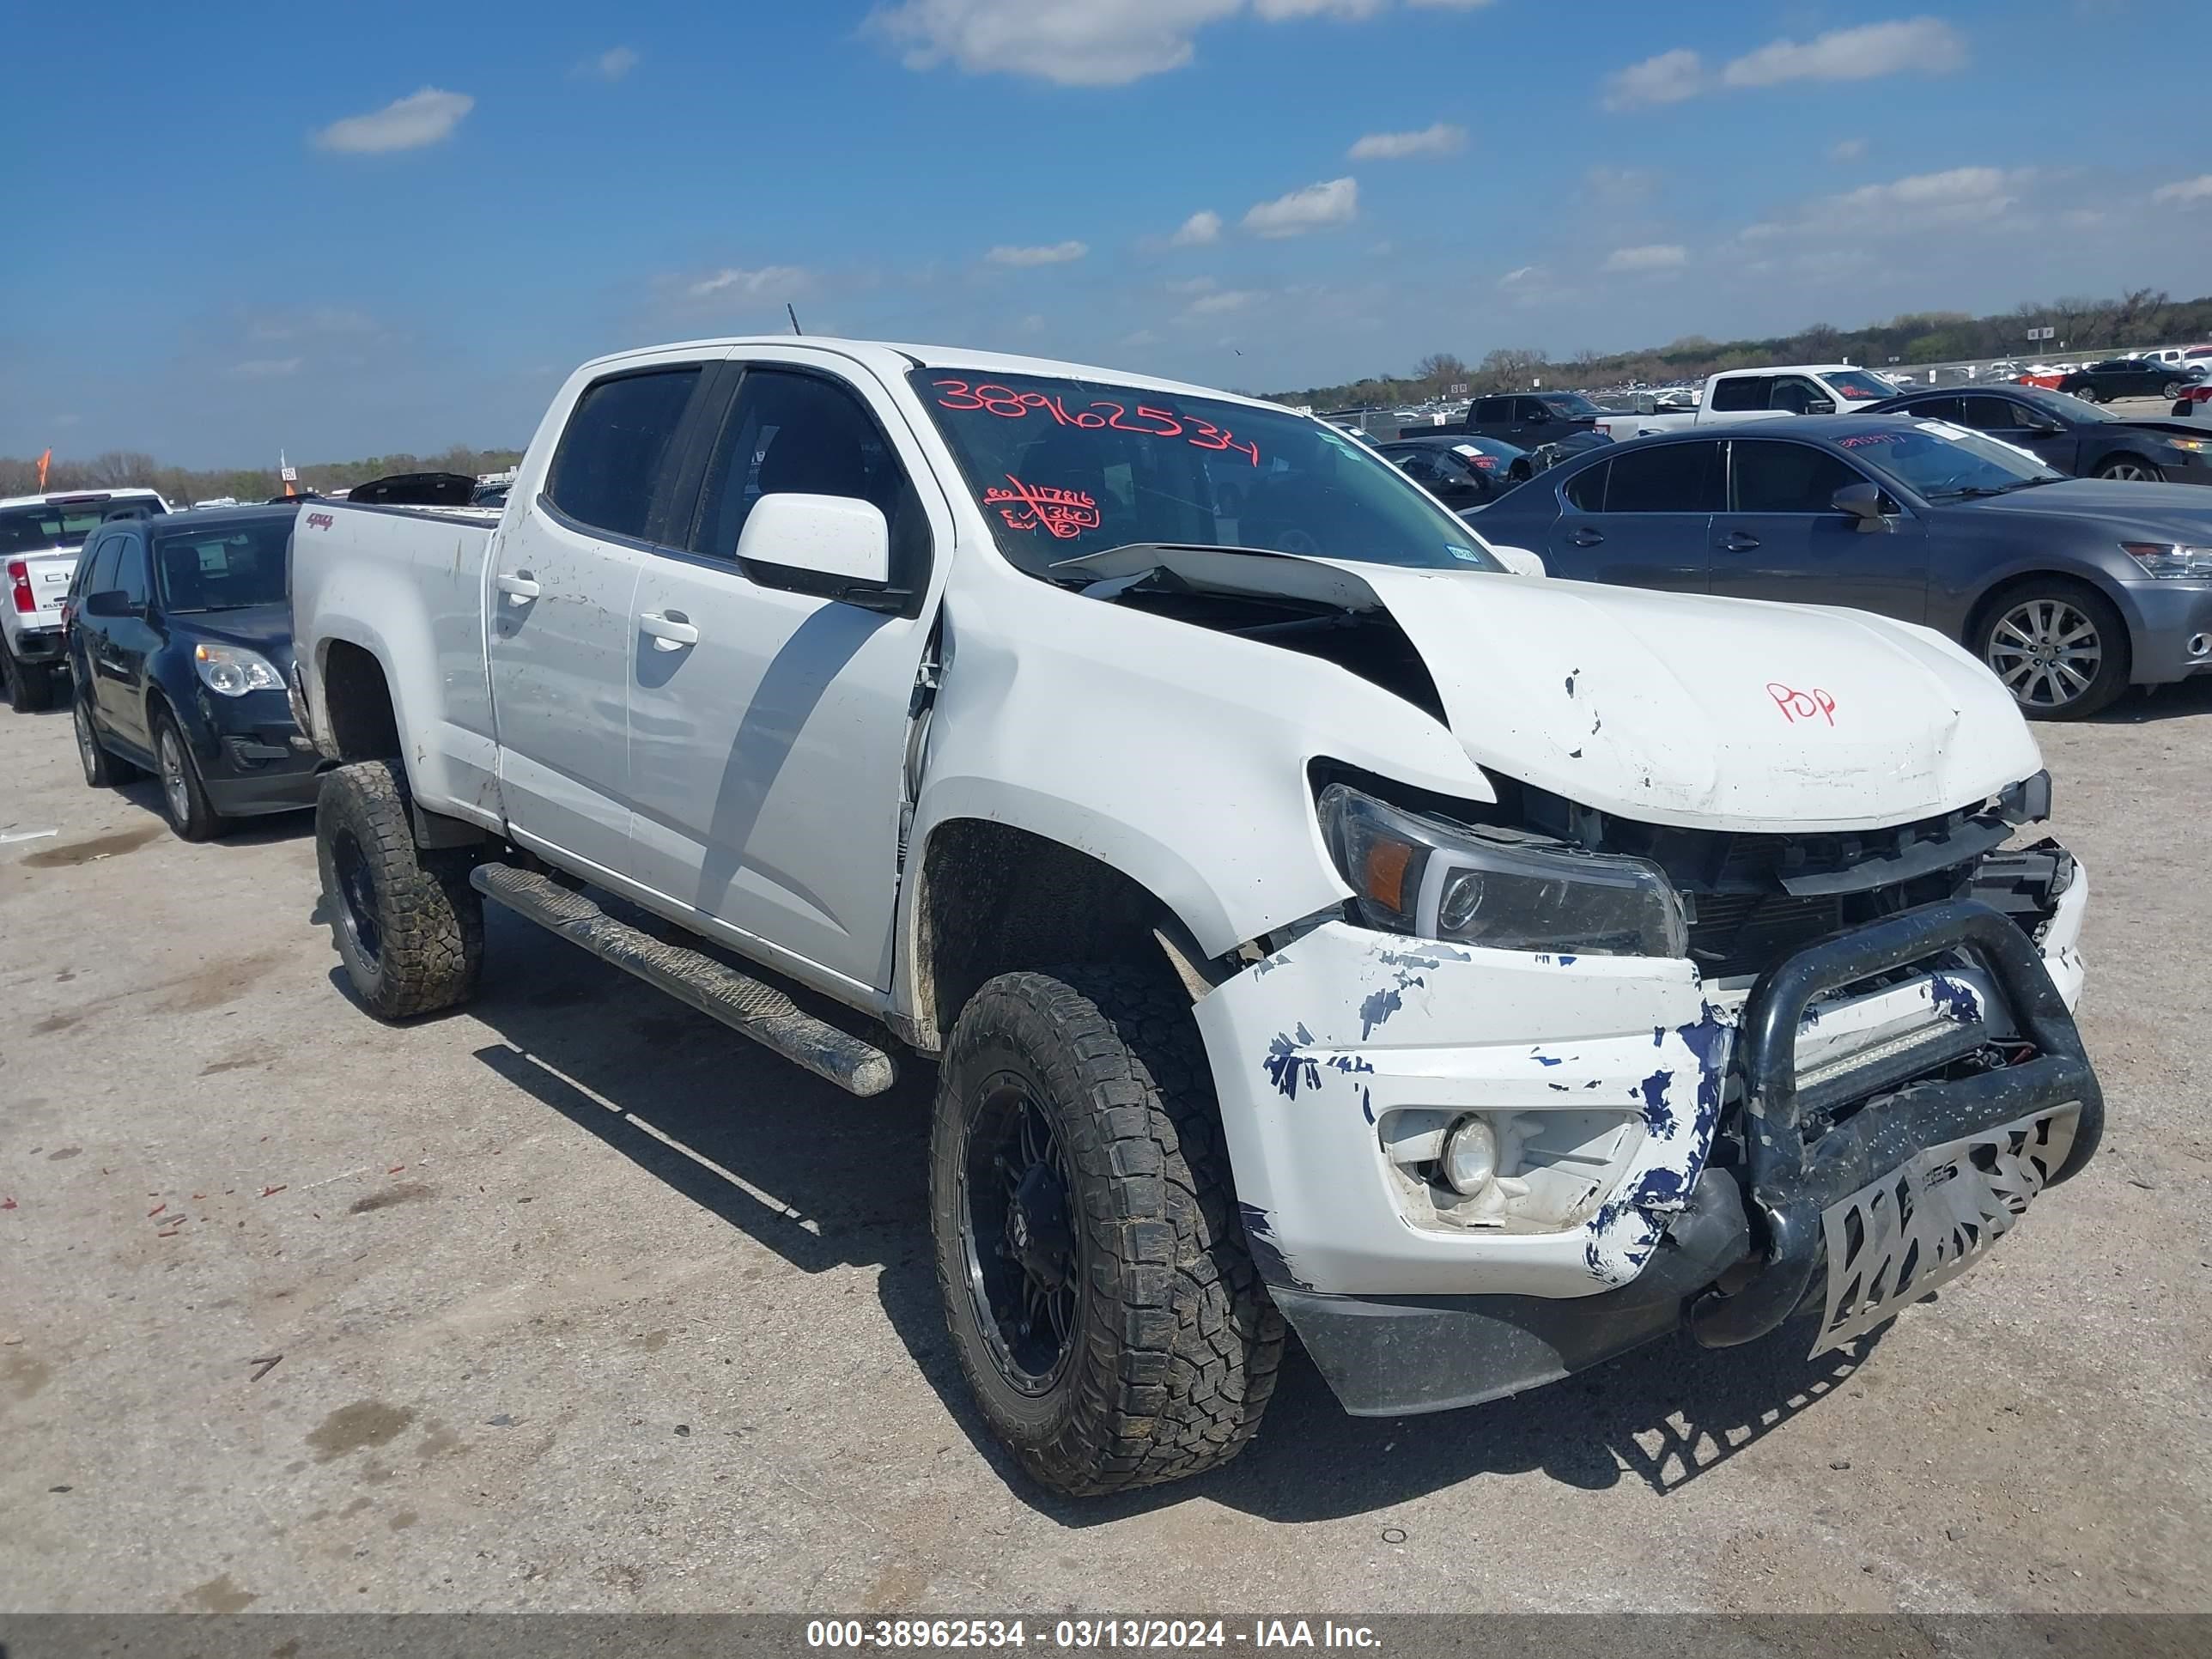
[357, 237]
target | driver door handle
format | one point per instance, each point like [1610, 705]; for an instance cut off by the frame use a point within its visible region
[517, 584]
[1738, 541]
[672, 630]
[1586, 537]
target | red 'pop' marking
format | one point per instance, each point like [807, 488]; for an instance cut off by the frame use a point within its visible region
[1008, 404]
[1062, 514]
[1797, 705]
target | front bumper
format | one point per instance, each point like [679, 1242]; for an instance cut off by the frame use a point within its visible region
[2169, 629]
[252, 756]
[1628, 1074]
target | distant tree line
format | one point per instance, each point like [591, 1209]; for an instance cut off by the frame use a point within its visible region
[180, 486]
[2143, 317]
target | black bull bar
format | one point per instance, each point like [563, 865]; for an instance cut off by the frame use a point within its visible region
[1791, 1181]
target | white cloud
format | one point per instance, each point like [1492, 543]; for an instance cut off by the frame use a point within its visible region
[1653, 256]
[1442, 139]
[1451, 5]
[769, 282]
[1143, 337]
[1201, 228]
[2198, 189]
[611, 65]
[1081, 43]
[1924, 45]
[1619, 186]
[1522, 277]
[1216, 305]
[1057, 253]
[428, 117]
[1847, 150]
[1667, 79]
[265, 368]
[1923, 202]
[1193, 285]
[1317, 207]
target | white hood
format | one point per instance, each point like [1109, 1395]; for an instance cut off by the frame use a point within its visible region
[1684, 709]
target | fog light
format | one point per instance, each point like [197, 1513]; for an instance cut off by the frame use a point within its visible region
[1471, 1156]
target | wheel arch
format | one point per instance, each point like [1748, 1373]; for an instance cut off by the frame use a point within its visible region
[360, 715]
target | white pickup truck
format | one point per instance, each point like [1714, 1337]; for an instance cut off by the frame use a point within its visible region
[40, 537]
[1306, 915]
[1759, 394]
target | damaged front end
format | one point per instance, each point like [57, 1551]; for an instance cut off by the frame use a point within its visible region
[1470, 1164]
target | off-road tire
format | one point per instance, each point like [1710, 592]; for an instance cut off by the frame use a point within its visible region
[193, 818]
[1176, 1344]
[428, 946]
[29, 688]
[102, 770]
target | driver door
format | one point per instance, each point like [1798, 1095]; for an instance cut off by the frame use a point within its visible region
[1782, 538]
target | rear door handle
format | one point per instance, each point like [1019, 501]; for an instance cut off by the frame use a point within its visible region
[1587, 538]
[1738, 541]
[672, 630]
[517, 584]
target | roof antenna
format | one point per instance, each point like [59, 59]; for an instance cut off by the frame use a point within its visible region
[793, 315]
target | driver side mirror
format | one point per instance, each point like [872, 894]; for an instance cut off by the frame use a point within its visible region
[1519, 559]
[111, 602]
[1866, 503]
[1819, 405]
[834, 537]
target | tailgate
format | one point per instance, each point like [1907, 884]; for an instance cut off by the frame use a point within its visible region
[37, 583]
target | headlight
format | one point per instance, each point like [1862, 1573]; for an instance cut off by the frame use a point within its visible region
[2170, 558]
[1419, 875]
[232, 671]
[2194, 446]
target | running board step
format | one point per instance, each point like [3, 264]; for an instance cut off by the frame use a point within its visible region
[743, 1003]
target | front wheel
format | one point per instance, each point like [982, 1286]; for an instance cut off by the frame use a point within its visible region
[1100, 1294]
[408, 924]
[2061, 650]
[184, 795]
[2130, 466]
[2088, 394]
[2171, 391]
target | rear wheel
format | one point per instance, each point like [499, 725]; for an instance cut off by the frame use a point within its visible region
[184, 796]
[29, 688]
[2130, 466]
[2171, 391]
[1100, 1294]
[2060, 649]
[101, 770]
[2085, 391]
[408, 924]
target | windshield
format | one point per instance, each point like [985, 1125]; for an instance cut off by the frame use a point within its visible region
[1859, 383]
[1941, 461]
[223, 568]
[1066, 468]
[45, 525]
[2074, 409]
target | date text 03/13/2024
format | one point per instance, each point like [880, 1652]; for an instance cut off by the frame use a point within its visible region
[1079, 1635]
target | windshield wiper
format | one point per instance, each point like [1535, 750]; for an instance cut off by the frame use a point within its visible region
[1975, 492]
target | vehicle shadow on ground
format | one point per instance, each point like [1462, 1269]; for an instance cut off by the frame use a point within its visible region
[2142, 706]
[827, 1181]
[145, 794]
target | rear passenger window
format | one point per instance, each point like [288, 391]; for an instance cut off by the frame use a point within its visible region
[1494, 409]
[612, 457]
[1938, 409]
[1995, 414]
[1744, 392]
[1780, 477]
[1585, 491]
[130, 570]
[1666, 478]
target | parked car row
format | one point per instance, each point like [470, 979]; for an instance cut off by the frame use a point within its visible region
[1135, 753]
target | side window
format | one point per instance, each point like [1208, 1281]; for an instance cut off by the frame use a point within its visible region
[1996, 414]
[130, 570]
[1415, 463]
[792, 432]
[81, 579]
[1530, 408]
[1493, 409]
[1585, 491]
[1666, 478]
[1743, 392]
[1781, 477]
[1940, 409]
[616, 449]
[1795, 393]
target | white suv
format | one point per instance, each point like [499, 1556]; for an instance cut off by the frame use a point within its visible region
[39, 536]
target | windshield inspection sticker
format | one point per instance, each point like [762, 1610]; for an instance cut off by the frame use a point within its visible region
[1063, 513]
[1797, 705]
[1467, 554]
[1009, 404]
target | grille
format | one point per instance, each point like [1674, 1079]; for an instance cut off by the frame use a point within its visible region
[1745, 933]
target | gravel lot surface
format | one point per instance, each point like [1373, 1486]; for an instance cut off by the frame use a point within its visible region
[576, 1301]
